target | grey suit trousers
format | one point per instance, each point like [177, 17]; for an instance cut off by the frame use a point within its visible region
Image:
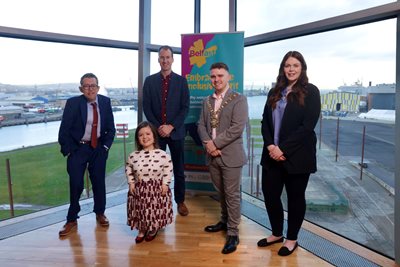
[227, 182]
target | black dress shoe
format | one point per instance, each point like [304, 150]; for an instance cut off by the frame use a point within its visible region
[284, 251]
[220, 226]
[231, 243]
[264, 242]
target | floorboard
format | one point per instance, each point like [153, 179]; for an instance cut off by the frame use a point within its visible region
[183, 243]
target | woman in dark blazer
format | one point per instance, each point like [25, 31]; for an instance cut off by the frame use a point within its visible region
[289, 153]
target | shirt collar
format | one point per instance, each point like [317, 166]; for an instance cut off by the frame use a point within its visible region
[221, 96]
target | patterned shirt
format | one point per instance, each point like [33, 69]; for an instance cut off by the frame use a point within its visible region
[164, 87]
[145, 165]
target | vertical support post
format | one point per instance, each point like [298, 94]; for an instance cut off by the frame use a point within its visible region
[337, 139]
[252, 159]
[87, 183]
[320, 130]
[397, 149]
[258, 181]
[10, 193]
[125, 127]
[362, 153]
[248, 129]
[251, 185]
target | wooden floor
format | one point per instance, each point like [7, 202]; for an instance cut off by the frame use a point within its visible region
[183, 243]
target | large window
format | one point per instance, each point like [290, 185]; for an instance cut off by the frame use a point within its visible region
[270, 15]
[37, 78]
[118, 20]
[214, 16]
[170, 19]
[348, 66]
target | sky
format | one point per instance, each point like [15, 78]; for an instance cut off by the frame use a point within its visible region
[358, 54]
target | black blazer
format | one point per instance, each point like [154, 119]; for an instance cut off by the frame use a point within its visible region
[177, 102]
[297, 138]
[74, 119]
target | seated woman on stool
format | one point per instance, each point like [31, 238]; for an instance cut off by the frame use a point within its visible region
[148, 171]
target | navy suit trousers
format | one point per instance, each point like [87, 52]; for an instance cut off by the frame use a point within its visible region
[95, 161]
[176, 147]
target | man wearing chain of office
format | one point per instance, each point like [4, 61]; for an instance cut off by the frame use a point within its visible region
[222, 120]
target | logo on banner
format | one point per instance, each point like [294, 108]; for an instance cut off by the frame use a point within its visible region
[198, 55]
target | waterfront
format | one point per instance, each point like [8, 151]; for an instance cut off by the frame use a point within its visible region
[20, 136]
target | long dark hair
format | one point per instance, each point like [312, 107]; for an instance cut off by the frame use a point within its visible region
[298, 90]
[142, 125]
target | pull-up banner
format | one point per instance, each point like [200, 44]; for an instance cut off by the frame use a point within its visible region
[199, 52]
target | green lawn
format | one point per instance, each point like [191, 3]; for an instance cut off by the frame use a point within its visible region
[255, 126]
[39, 175]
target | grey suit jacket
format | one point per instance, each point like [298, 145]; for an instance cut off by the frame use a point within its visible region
[232, 121]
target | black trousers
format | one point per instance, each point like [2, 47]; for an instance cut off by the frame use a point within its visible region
[95, 161]
[273, 181]
[176, 147]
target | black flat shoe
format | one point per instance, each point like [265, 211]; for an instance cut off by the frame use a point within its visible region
[264, 242]
[220, 226]
[284, 251]
[231, 243]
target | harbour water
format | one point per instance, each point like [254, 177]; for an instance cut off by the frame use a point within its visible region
[20, 136]
[15, 137]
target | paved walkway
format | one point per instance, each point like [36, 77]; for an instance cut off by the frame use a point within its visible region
[337, 199]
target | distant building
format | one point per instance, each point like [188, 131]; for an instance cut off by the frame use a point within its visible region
[356, 88]
[382, 96]
[24, 101]
[11, 112]
[340, 101]
[41, 98]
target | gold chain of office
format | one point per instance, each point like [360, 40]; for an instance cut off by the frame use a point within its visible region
[214, 114]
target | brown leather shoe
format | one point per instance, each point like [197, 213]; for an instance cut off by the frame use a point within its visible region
[67, 228]
[182, 209]
[102, 220]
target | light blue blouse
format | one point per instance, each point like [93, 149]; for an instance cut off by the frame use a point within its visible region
[277, 115]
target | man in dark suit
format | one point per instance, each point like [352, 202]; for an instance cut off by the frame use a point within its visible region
[86, 134]
[166, 104]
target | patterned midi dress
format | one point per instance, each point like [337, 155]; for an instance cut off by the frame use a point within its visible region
[147, 209]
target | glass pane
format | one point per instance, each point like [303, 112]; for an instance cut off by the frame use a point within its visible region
[36, 80]
[118, 20]
[171, 19]
[214, 16]
[264, 16]
[356, 68]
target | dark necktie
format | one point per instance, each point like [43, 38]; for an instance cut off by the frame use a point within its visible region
[93, 139]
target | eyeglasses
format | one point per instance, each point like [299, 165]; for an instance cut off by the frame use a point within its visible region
[86, 87]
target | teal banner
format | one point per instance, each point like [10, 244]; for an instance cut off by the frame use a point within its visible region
[199, 52]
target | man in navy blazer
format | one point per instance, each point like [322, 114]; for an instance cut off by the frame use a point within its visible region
[84, 114]
[166, 104]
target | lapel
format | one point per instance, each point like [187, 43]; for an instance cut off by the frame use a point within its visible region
[289, 109]
[171, 89]
[83, 108]
[158, 87]
[226, 97]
